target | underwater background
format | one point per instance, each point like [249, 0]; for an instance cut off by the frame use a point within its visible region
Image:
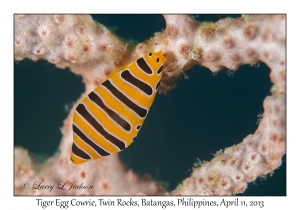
[203, 114]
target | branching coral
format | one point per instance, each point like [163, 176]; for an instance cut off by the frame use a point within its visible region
[91, 51]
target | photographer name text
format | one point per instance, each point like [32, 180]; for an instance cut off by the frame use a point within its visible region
[62, 185]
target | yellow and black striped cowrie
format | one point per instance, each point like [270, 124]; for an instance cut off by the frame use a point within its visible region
[108, 119]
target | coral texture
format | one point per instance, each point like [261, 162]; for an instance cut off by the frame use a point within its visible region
[92, 51]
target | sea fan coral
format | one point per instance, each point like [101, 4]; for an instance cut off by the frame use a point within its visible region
[93, 52]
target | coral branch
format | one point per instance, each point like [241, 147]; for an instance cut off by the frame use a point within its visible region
[92, 51]
[258, 154]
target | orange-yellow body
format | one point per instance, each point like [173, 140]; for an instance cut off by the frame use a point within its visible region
[110, 117]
